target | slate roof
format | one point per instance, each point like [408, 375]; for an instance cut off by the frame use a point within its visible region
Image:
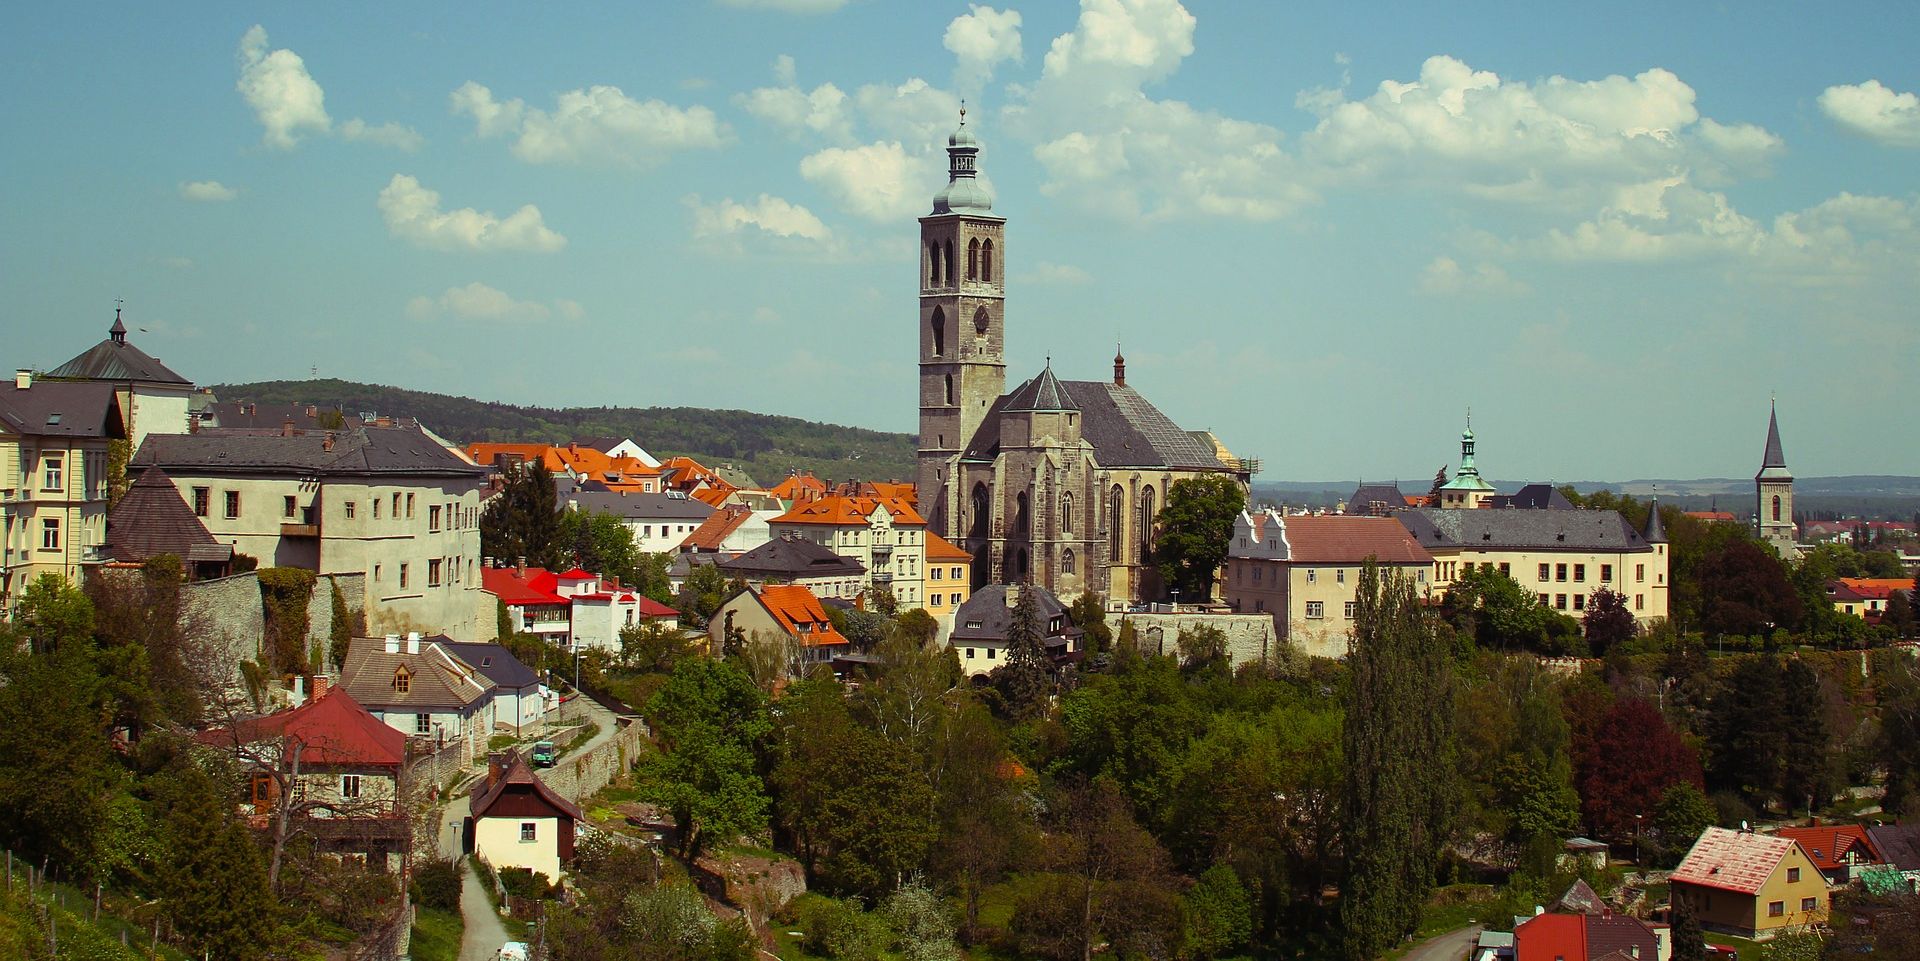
[639, 505]
[115, 361]
[247, 414]
[153, 519]
[991, 608]
[792, 559]
[1344, 539]
[518, 778]
[496, 662]
[1487, 529]
[439, 679]
[1898, 844]
[1732, 860]
[1773, 456]
[358, 451]
[1123, 428]
[1829, 844]
[1656, 532]
[52, 408]
[1534, 497]
[1610, 935]
[1580, 899]
[1387, 496]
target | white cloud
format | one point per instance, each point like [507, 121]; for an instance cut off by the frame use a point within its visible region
[879, 181]
[1874, 111]
[593, 125]
[787, 6]
[1047, 272]
[477, 301]
[1144, 40]
[1444, 277]
[981, 40]
[207, 191]
[386, 134]
[768, 215]
[413, 214]
[284, 97]
[822, 110]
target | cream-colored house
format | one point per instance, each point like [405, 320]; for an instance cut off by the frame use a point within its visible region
[1305, 571]
[885, 534]
[390, 503]
[520, 822]
[1562, 556]
[152, 398]
[54, 440]
[1751, 885]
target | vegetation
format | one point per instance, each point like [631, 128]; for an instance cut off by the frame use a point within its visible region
[1196, 525]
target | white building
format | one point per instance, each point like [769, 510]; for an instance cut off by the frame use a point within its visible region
[422, 689]
[153, 399]
[884, 534]
[658, 522]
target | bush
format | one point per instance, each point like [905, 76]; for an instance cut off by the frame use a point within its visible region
[524, 883]
[841, 930]
[436, 885]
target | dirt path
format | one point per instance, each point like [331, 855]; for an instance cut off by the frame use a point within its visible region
[1453, 946]
[484, 933]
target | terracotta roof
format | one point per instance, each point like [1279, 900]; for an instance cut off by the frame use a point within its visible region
[714, 531]
[1733, 860]
[518, 778]
[1348, 539]
[1871, 588]
[800, 613]
[941, 549]
[1828, 844]
[436, 678]
[333, 729]
[518, 587]
[797, 485]
[1711, 515]
[152, 519]
[851, 512]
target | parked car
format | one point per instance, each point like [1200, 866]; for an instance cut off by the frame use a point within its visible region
[544, 755]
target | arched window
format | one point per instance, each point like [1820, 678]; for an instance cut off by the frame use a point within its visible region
[973, 259]
[986, 261]
[933, 264]
[949, 272]
[1116, 522]
[939, 325]
[1022, 520]
[981, 321]
[1020, 562]
[982, 512]
[1066, 513]
[1066, 561]
[1146, 524]
[1776, 507]
[949, 390]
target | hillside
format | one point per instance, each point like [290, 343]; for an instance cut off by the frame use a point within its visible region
[766, 446]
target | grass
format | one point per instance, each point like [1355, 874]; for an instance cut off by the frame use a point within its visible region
[1749, 950]
[586, 732]
[500, 742]
[79, 936]
[436, 935]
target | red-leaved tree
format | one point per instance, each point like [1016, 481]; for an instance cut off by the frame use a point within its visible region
[1624, 764]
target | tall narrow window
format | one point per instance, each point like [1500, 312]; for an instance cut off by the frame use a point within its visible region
[939, 325]
[1776, 507]
[1022, 519]
[1066, 513]
[981, 321]
[1066, 561]
[973, 259]
[948, 275]
[949, 390]
[1116, 520]
[1146, 524]
[986, 261]
[933, 264]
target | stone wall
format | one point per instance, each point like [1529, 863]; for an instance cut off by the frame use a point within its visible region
[1250, 637]
[578, 778]
[230, 614]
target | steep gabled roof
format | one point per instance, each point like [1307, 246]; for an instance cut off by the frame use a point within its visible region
[800, 613]
[714, 531]
[941, 549]
[1829, 844]
[496, 662]
[153, 519]
[333, 729]
[1898, 844]
[1124, 429]
[1376, 499]
[519, 779]
[1042, 393]
[991, 609]
[436, 678]
[1733, 860]
[1773, 456]
[519, 588]
[115, 361]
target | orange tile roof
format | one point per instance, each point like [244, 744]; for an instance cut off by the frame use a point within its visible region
[714, 531]
[851, 512]
[941, 549]
[1733, 860]
[615, 472]
[1828, 844]
[713, 496]
[800, 613]
[796, 485]
[1875, 588]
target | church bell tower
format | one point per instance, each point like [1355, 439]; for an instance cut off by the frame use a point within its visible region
[1773, 487]
[962, 324]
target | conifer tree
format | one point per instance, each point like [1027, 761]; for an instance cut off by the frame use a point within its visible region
[213, 885]
[1688, 943]
[1025, 679]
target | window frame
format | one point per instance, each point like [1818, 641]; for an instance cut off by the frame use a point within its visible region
[230, 503]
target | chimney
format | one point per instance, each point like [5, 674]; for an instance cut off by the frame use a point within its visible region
[520, 566]
[413, 642]
[249, 409]
[319, 685]
[326, 444]
[313, 411]
[286, 428]
[393, 643]
[613, 582]
[22, 379]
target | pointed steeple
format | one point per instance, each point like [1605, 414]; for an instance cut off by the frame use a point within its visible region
[1773, 457]
[118, 332]
[1656, 532]
[1043, 393]
[964, 192]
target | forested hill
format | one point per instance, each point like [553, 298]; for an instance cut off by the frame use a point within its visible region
[764, 445]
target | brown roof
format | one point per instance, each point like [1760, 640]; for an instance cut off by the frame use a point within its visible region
[519, 779]
[1733, 860]
[435, 677]
[152, 519]
[714, 531]
[1615, 934]
[1346, 539]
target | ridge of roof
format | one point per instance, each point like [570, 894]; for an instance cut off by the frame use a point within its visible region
[518, 774]
[119, 361]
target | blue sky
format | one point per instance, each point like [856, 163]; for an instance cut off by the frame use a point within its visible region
[1324, 232]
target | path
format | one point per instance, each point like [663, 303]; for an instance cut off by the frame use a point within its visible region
[484, 933]
[609, 726]
[1452, 946]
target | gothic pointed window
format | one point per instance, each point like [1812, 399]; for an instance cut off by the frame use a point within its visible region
[981, 321]
[1066, 562]
[1021, 560]
[1022, 519]
[1116, 522]
[1146, 524]
[949, 270]
[933, 264]
[973, 259]
[939, 325]
[1066, 513]
[1776, 507]
[986, 261]
[982, 512]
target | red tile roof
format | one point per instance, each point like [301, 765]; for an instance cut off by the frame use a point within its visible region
[652, 608]
[714, 531]
[800, 613]
[333, 729]
[1828, 844]
[1871, 588]
[799, 487]
[519, 588]
[851, 512]
[941, 549]
[1346, 539]
[577, 574]
[1733, 860]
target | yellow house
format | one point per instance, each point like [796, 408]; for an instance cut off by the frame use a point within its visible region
[54, 441]
[1561, 556]
[1305, 571]
[1750, 885]
[948, 586]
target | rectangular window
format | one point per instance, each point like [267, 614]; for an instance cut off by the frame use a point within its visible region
[409, 507]
[1579, 602]
[1506, 569]
[55, 473]
[529, 831]
[233, 504]
[423, 724]
[1580, 573]
[396, 505]
[1639, 572]
[1543, 572]
[933, 600]
[1311, 575]
[1316, 610]
[1543, 600]
[934, 574]
[1606, 572]
[991, 651]
[1776, 908]
[1259, 607]
[433, 517]
[1807, 905]
[956, 573]
[1639, 602]
[1347, 610]
[50, 533]
[202, 501]
[1340, 576]
[433, 572]
[1793, 875]
[350, 786]
[969, 653]
[376, 508]
[1560, 572]
[403, 577]
[953, 599]
[1559, 602]
[287, 506]
[1256, 573]
[376, 573]
[350, 508]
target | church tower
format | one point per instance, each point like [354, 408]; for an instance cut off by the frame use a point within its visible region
[1773, 507]
[962, 317]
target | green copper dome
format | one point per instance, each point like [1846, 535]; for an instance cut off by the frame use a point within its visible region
[965, 191]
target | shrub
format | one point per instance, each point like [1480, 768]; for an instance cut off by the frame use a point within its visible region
[436, 884]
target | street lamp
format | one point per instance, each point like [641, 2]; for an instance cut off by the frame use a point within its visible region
[1636, 840]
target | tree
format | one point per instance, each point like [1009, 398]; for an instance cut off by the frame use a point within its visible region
[1026, 678]
[1202, 646]
[1497, 612]
[1608, 621]
[1689, 944]
[705, 590]
[1196, 526]
[212, 884]
[1439, 481]
[1744, 590]
[1896, 686]
[1746, 727]
[1627, 763]
[709, 718]
[1683, 812]
[1399, 756]
[523, 520]
[599, 541]
[1132, 726]
[903, 701]
[922, 926]
[1088, 612]
[1109, 881]
[1216, 915]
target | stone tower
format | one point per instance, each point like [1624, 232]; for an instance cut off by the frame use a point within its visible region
[1773, 486]
[962, 323]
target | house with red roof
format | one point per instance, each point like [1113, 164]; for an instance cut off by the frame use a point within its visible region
[785, 612]
[1841, 851]
[1866, 596]
[575, 608]
[884, 534]
[1751, 885]
[1601, 936]
[1304, 570]
[517, 821]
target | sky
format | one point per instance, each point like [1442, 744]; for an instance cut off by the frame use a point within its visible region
[1612, 231]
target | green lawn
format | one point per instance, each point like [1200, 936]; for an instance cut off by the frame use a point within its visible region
[1749, 950]
[436, 935]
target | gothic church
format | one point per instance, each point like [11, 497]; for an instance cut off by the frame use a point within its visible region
[1060, 481]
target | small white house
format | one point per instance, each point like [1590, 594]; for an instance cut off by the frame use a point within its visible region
[520, 822]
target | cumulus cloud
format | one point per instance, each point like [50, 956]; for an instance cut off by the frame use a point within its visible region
[477, 301]
[593, 125]
[879, 181]
[787, 6]
[284, 97]
[768, 215]
[1874, 111]
[385, 135]
[823, 111]
[1444, 277]
[982, 40]
[413, 214]
[207, 191]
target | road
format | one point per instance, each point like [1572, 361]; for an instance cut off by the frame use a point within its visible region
[608, 727]
[484, 933]
[1452, 946]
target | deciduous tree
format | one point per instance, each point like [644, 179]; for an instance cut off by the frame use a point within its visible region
[1627, 763]
[1195, 526]
[709, 718]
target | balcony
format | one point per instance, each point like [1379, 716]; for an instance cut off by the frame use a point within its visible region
[307, 526]
[882, 575]
[882, 553]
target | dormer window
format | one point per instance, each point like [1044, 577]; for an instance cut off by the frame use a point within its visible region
[402, 680]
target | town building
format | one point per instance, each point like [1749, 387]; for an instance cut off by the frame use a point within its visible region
[1601, 936]
[422, 689]
[519, 699]
[885, 535]
[390, 504]
[791, 559]
[984, 622]
[659, 523]
[517, 821]
[572, 464]
[1058, 481]
[1467, 489]
[1866, 596]
[1898, 846]
[1750, 885]
[1840, 851]
[574, 609]
[732, 530]
[1773, 493]
[54, 443]
[1304, 570]
[948, 586]
[152, 398]
[787, 613]
[1560, 556]
[613, 446]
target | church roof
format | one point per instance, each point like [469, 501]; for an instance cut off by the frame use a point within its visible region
[116, 360]
[1124, 429]
[1656, 532]
[1773, 461]
[1042, 393]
